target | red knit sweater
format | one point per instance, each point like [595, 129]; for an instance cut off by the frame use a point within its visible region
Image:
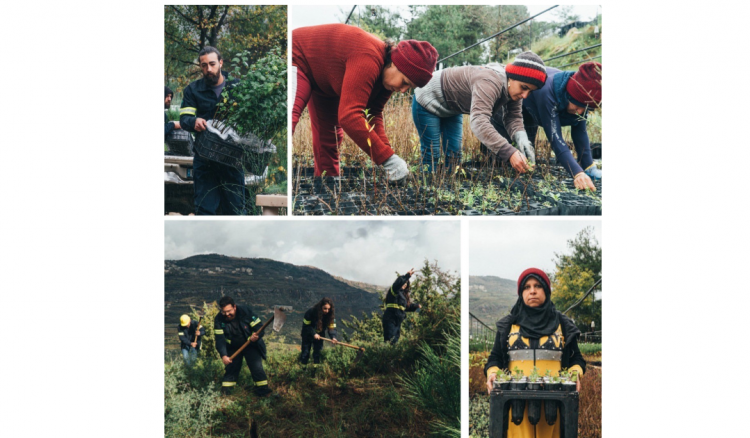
[345, 62]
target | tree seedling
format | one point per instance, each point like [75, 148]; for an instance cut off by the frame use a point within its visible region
[518, 373]
[534, 377]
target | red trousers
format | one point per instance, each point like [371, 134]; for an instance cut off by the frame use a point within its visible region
[327, 135]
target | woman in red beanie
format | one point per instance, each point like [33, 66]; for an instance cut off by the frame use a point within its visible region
[341, 71]
[565, 100]
[535, 334]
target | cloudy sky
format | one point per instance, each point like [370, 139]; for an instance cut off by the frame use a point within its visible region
[369, 251]
[505, 248]
[314, 15]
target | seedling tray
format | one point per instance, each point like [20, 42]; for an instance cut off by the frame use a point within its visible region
[500, 402]
[359, 191]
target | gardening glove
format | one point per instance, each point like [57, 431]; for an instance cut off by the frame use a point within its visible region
[396, 168]
[524, 145]
[594, 172]
[217, 127]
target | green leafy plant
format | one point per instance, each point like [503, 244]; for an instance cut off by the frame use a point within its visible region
[534, 376]
[257, 104]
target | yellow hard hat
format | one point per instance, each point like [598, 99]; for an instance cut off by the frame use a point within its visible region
[184, 320]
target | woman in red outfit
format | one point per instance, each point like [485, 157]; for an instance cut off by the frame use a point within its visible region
[341, 71]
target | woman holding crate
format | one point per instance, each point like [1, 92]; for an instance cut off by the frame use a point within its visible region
[534, 329]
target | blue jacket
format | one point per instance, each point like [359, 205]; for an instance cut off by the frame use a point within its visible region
[543, 106]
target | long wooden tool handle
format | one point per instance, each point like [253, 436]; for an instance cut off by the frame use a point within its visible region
[248, 341]
[198, 330]
[344, 344]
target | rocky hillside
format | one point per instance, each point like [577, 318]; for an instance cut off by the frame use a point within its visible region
[491, 297]
[261, 284]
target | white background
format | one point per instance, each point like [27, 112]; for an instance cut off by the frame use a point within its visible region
[82, 225]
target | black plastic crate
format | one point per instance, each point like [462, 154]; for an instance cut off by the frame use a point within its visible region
[180, 142]
[500, 403]
[240, 156]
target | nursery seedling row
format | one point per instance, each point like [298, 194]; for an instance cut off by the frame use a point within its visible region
[476, 191]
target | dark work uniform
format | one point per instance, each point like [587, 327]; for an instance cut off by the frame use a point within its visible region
[168, 126]
[187, 335]
[230, 336]
[219, 189]
[309, 329]
[395, 310]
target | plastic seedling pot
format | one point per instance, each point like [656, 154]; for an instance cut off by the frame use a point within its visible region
[517, 406]
[550, 406]
[569, 386]
[535, 406]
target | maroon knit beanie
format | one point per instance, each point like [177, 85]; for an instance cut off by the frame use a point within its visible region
[585, 86]
[536, 273]
[527, 67]
[416, 60]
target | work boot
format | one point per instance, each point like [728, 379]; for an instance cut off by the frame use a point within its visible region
[226, 390]
[262, 391]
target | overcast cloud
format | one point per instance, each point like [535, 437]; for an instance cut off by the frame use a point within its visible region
[506, 248]
[369, 251]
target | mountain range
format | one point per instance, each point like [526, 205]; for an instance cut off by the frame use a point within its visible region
[260, 283]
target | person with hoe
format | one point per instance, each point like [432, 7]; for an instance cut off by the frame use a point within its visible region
[190, 333]
[342, 71]
[219, 189]
[397, 303]
[533, 327]
[481, 92]
[234, 325]
[565, 100]
[316, 321]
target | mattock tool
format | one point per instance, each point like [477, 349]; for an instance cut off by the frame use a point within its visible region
[359, 354]
[278, 318]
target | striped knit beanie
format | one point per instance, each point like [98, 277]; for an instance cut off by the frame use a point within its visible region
[585, 86]
[416, 60]
[527, 67]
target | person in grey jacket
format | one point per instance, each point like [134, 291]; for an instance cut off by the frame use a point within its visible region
[479, 91]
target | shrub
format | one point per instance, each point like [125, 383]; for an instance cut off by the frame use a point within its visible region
[435, 383]
[257, 104]
[188, 410]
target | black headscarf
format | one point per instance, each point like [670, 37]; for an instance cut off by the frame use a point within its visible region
[539, 321]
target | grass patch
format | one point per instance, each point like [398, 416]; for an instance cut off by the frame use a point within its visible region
[589, 348]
